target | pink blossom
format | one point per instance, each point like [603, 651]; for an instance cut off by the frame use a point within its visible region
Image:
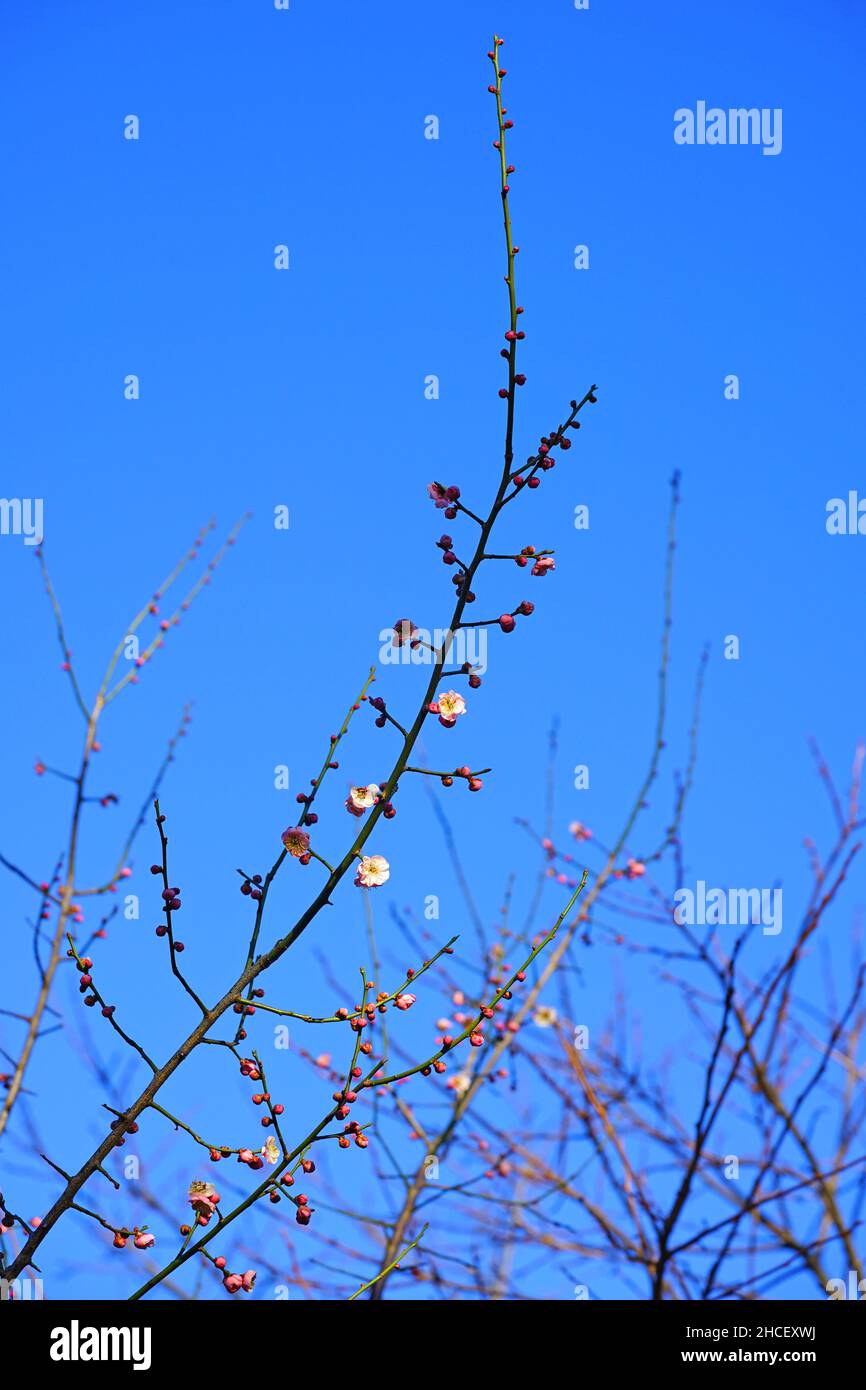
[362, 798]
[542, 565]
[144, 1240]
[373, 871]
[635, 869]
[296, 841]
[233, 1282]
[249, 1279]
[203, 1198]
[404, 1001]
[580, 832]
[450, 706]
[437, 494]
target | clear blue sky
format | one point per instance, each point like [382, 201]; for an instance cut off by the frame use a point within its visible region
[306, 388]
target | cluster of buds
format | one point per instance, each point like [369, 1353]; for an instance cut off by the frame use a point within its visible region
[120, 1128]
[404, 633]
[474, 783]
[304, 799]
[251, 887]
[445, 498]
[84, 965]
[377, 703]
[170, 896]
[508, 621]
[234, 1283]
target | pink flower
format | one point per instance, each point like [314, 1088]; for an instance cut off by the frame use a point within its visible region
[437, 494]
[245, 1156]
[404, 1001]
[296, 841]
[323, 1060]
[249, 1279]
[362, 798]
[144, 1240]
[404, 631]
[579, 831]
[233, 1282]
[542, 565]
[373, 871]
[203, 1198]
[635, 869]
[450, 707]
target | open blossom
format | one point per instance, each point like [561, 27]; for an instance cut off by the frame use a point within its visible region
[143, 1240]
[635, 869]
[544, 1016]
[449, 706]
[362, 798]
[437, 494]
[579, 831]
[542, 565]
[271, 1150]
[249, 1279]
[296, 841]
[459, 1083]
[404, 1001]
[203, 1198]
[373, 871]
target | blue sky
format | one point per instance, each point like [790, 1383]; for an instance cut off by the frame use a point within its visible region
[305, 388]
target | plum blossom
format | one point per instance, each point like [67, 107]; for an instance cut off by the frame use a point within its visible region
[296, 841]
[360, 799]
[542, 565]
[635, 869]
[437, 494]
[203, 1198]
[580, 832]
[143, 1240]
[233, 1282]
[271, 1150]
[545, 1016]
[404, 1001]
[373, 871]
[449, 706]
